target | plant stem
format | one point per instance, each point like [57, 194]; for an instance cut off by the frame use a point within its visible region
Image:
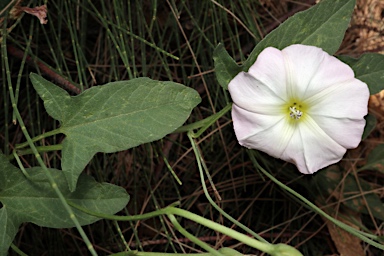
[16, 249]
[137, 253]
[205, 123]
[265, 247]
[38, 156]
[191, 237]
[201, 165]
[353, 231]
[39, 137]
[40, 149]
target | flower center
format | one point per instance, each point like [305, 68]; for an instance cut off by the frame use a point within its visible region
[295, 112]
[296, 109]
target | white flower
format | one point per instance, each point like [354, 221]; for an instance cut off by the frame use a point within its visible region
[299, 104]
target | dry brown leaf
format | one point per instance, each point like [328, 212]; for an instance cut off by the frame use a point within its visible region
[346, 243]
[16, 13]
[39, 11]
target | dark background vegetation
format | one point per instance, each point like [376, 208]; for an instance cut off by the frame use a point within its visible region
[89, 43]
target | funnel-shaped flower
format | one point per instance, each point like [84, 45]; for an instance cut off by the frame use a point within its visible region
[299, 104]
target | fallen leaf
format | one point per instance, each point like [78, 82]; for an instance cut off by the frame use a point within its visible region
[39, 11]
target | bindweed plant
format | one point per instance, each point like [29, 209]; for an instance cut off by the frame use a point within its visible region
[292, 99]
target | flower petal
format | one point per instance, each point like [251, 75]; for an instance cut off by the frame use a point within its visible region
[339, 110]
[269, 70]
[311, 149]
[249, 93]
[346, 132]
[348, 99]
[270, 134]
[301, 64]
[334, 104]
[330, 73]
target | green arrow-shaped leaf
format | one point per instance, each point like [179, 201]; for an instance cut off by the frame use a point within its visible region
[375, 160]
[369, 68]
[357, 195]
[322, 25]
[8, 229]
[34, 200]
[225, 67]
[114, 117]
[370, 125]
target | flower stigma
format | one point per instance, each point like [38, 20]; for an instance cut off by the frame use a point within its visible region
[295, 109]
[295, 113]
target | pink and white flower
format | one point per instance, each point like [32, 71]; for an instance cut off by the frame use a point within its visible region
[299, 104]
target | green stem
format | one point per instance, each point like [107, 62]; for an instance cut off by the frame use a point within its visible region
[143, 216]
[52, 181]
[108, 23]
[200, 165]
[121, 235]
[19, 252]
[28, 151]
[205, 123]
[265, 247]
[137, 253]
[191, 237]
[39, 137]
[37, 155]
[342, 225]
[40, 149]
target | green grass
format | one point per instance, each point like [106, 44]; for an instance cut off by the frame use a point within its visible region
[90, 43]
